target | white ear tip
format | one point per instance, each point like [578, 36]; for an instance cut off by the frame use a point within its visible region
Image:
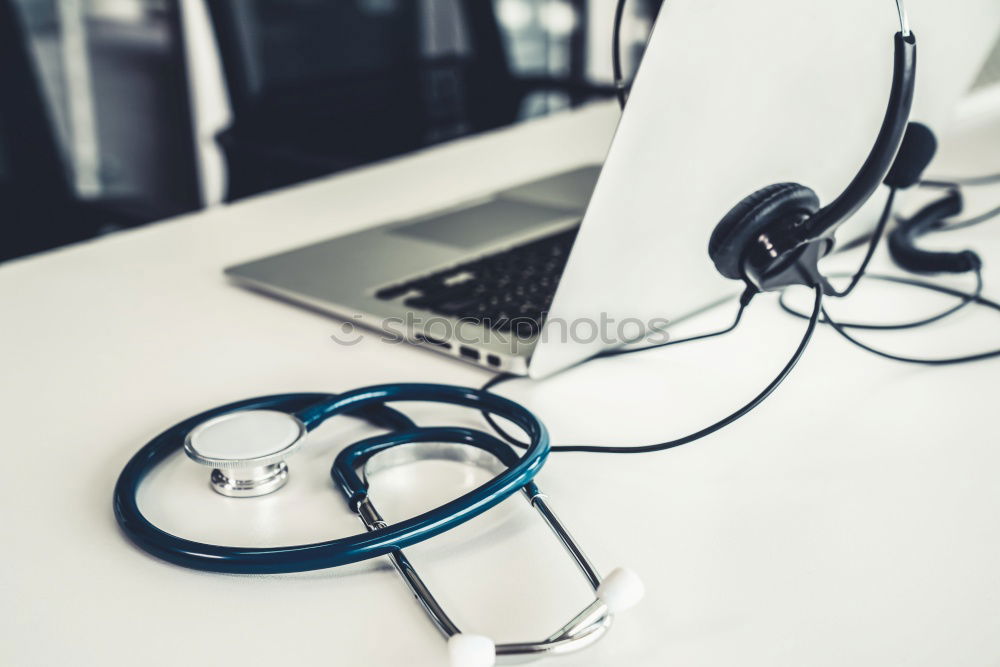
[621, 590]
[471, 651]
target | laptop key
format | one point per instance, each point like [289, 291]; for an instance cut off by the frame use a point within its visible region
[504, 290]
[392, 292]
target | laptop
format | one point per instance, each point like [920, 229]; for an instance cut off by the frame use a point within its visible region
[539, 277]
[474, 282]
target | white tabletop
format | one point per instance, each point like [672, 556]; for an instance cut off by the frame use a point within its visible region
[852, 519]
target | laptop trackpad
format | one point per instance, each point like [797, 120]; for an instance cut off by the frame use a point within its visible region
[484, 224]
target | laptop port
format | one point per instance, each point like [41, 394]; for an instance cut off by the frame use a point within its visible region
[436, 342]
[469, 353]
[493, 360]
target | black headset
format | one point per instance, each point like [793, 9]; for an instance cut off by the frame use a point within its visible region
[775, 237]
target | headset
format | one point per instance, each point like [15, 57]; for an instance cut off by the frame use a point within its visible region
[775, 237]
[915, 154]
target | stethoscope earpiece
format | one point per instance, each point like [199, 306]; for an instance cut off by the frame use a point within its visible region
[468, 650]
[621, 590]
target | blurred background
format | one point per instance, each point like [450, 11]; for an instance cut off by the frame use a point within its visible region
[117, 113]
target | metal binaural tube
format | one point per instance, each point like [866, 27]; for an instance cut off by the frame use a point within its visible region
[538, 501]
[374, 521]
[904, 19]
[588, 626]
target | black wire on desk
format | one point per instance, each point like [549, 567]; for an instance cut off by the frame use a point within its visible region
[946, 226]
[876, 237]
[745, 299]
[697, 435]
[966, 299]
[972, 181]
[958, 183]
[947, 361]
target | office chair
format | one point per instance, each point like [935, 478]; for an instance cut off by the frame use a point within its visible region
[317, 86]
[37, 206]
[495, 93]
[40, 207]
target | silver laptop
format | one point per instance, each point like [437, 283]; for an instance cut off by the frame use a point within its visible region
[473, 281]
[542, 276]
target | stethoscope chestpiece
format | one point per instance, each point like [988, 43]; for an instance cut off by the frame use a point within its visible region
[246, 450]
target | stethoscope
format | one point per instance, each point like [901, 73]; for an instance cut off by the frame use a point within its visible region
[246, 444]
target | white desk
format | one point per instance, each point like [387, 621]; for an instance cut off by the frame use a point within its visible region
[852, 519]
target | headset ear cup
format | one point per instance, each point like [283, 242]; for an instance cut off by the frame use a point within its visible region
[748, 218]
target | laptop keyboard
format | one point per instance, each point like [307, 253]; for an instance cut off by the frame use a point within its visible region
[510, 290]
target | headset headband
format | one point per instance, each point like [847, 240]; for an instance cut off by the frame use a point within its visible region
[890, 136]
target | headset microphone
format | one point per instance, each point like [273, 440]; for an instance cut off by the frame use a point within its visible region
[915, 154]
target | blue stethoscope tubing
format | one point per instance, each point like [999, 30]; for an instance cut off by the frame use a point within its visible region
[312, 410]
[355, 489]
